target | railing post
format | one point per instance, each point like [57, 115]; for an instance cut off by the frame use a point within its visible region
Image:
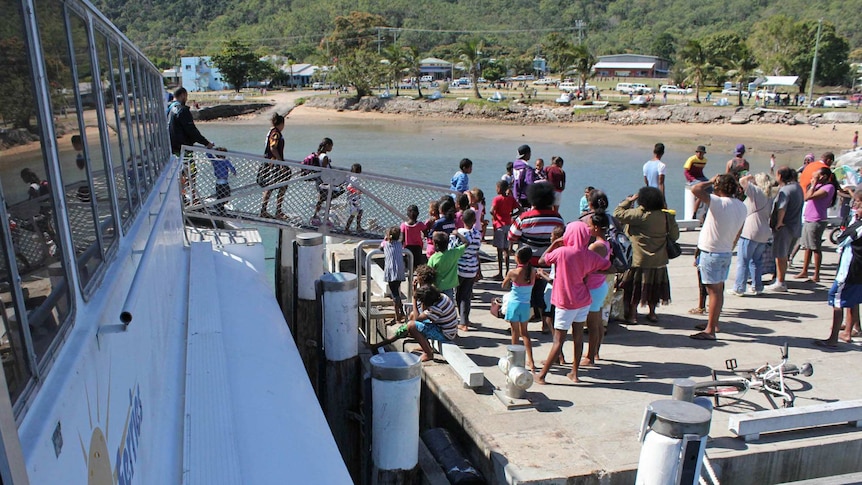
[342, 380]
[309, 331]
[395, 384]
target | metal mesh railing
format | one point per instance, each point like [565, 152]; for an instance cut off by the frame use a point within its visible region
[314, 198]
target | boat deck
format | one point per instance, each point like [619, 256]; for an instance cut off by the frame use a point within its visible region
[587, 433]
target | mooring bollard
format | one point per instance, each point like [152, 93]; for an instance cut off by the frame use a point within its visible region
[308, 249]
[340, 309]
[683, 390]
[673, 441]
[395, 385]
[518, 378]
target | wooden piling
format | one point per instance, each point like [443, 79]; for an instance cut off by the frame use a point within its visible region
[308, 248]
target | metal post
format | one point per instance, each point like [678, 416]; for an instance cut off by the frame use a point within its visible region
[814, 62]
[286, 276]
[309, 331]
[341, 391]
[395, 385]
[683, 390]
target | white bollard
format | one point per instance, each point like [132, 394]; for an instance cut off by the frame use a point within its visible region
[518, 379]
[340, 316]
[309, 264]
[673, 436]
[395, 384]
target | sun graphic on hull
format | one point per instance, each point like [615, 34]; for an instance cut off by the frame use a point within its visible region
[96, 455]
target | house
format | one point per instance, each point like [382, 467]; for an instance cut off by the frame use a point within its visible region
[199, 74]
[436, 68]
[171, 78]
[632, 65]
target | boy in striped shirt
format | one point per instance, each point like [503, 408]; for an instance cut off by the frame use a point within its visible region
[434, 317]
[468, 266]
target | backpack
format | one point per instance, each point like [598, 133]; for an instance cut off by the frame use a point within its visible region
[621, 248]
[312, 160]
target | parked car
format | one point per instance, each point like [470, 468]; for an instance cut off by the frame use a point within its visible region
[639, 100]
[426, 78]
[639, 88]
[832, 102]
[735, 92]
[624, 88]
[546, 81]
[319, 85]
[674, 89]
[856, 97]
[575, 86]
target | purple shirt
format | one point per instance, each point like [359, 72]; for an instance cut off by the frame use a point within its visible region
[815, 209]
[522, 177]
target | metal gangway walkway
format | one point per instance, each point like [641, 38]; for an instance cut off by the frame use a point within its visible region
[382, 199]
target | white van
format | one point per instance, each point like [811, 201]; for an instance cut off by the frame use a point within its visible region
[624, 88]
[638, 88]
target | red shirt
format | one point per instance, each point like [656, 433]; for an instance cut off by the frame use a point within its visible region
[556, 177]
[501, 208]
[413, 233]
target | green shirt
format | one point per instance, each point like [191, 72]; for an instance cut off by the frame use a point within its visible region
[446, 265]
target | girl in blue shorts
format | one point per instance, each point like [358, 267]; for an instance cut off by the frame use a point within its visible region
[520, 280]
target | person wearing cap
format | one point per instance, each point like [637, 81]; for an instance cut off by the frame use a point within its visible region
[805, 161]
[826, 161]
[522, 175]
[693, 171]
[738, 166]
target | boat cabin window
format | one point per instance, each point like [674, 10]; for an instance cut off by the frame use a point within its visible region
[121, 80]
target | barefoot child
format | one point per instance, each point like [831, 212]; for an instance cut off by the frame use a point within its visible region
[521, 280]
[413, 231]
[393, 269]
[597, 283]
[468, 267]
[433, 317]
[354, 200]
[570, 295]
[502, 207]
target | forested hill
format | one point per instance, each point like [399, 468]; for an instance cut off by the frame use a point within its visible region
[168, 28]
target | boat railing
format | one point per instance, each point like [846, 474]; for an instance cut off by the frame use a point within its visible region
[313, 198]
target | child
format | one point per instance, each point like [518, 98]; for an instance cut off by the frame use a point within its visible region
[321, 159]
[354, 201]
[585, 200]
[433, 216]
[446, 223]
[433, 317]
[846, 291]
[463, 204]
[507, 177]
[502, 207]
[461, 180]
[597, 283]
[78, 145]
[521, 280]
[571, 297]
[477, 203]
[393, 269]
[413, 231]
[700, 309]
[468, 267]
[445, 262]
[222, 168]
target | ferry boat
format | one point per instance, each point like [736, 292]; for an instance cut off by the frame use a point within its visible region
[131, 353]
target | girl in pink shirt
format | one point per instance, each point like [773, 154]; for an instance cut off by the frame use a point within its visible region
[570, 295]
[413, 232]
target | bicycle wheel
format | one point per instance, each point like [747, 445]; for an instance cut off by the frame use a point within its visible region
[719, 389]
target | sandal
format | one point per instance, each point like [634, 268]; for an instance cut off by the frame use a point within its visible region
[702, 336]
[697, 311]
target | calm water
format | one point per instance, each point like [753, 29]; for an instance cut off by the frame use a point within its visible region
[418, 152]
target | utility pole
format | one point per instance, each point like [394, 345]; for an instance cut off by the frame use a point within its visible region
[379, 41]
[580, 25]
[814, 62]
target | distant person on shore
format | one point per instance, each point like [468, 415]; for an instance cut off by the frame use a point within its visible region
[78, 146]
[570, 295]
[460, 182]
[519, 282]
[522, 176]
[820, 195]
[760, 194]
[274, 150]
[539, 174]
[222, 169]
[738, 166]
[856, 133]
[502, 208]
[412, 232]
[354, 200]
[693, 171]
[584, 203]
[468, 267]
[182, 131]
[725, 216]
[393, 269]
[846, 291]
[557, 179]
[655, 169]
[786, 224]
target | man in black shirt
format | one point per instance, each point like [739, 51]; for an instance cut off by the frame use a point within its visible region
[182, 130]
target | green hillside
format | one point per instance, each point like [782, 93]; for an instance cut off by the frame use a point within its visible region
[168, 28]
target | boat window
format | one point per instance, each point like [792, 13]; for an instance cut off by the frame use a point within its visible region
[135, 113]
[72, 141]
[114, 136]
[121, 83]
[99, 165]
[144, 107]
[28, 184]
[12, 342]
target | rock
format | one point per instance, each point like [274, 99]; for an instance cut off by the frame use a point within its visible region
[800, 119]
[841, 117]
[852, 158]
[227, 110]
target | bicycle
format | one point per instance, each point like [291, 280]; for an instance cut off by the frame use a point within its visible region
[768, 379]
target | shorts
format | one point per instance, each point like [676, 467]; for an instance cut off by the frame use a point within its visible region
[714, 267]
[563, 318]
[501, 237]
[598, 295]
[430, 330]
[355, 205]
[844, 295]
[517, 312]
[812, 235]
[782, 242]
[558, 197]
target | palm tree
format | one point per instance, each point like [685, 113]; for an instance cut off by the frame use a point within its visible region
[470, 52]
[742, 66]
[584, 61]
[393, 56]
[696, 65]
[412, 62]
[290, 63]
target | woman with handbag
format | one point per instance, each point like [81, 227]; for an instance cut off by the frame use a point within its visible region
[271, 173]
[649, 228]
[759, 193]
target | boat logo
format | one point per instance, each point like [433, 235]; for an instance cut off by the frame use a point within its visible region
[97, 457]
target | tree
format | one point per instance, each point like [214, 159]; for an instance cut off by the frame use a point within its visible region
[237, 63]
[721, 47]
[470, 52]
[349, 47]
[584, 62]
[413, 64]
[394, 64]
[697, 65]
[741, 67]
[664, 46]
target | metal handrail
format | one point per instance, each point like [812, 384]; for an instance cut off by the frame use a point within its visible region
[366, 265]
